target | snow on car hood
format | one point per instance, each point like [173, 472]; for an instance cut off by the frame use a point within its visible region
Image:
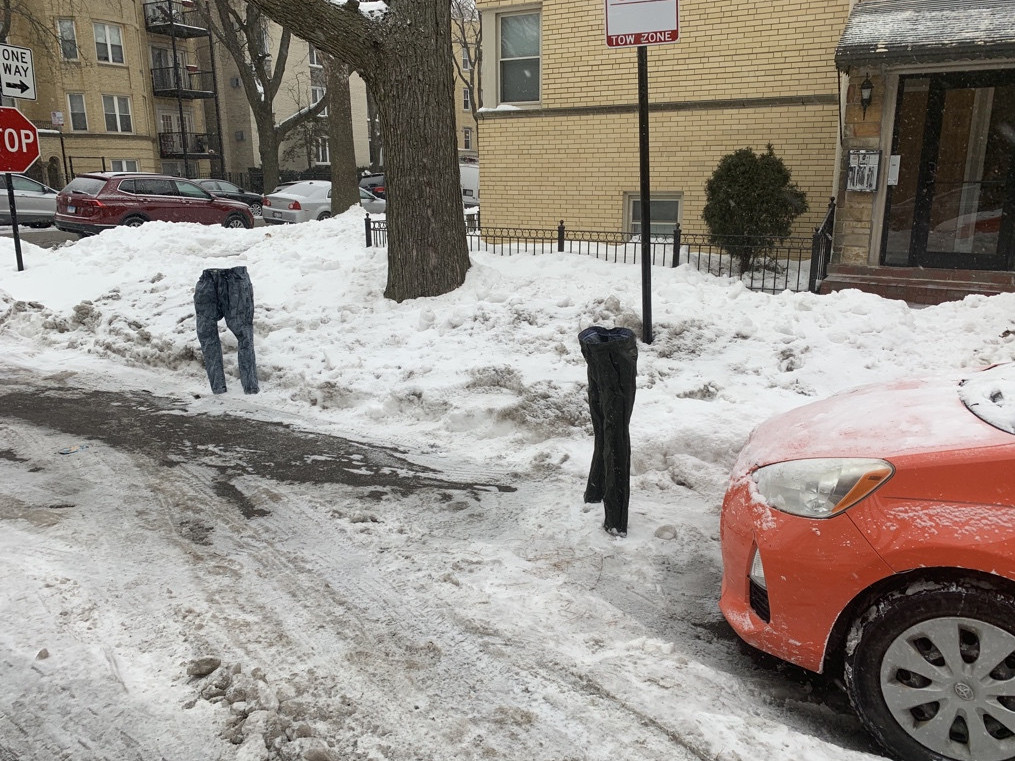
[990, 395]
[903, 417]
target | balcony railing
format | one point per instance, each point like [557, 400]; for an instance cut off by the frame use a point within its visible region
[182, 81]
[193, 144]
[176, 18]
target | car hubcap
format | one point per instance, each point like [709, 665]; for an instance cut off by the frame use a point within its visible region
[256, 209]
[950, 684]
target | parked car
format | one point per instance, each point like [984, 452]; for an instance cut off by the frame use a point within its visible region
[469, 176]
[226, 189]
[310, 199]
[375, 184]
[34, 202]
[874, 532]
[372, 203]
[298, 202]
[97, 201]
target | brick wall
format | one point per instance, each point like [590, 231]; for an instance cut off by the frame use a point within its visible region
[743, 74]
[855, 213]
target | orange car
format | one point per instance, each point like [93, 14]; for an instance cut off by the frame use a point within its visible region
[874, 532]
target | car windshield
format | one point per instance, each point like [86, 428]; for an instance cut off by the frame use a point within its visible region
[990, 395]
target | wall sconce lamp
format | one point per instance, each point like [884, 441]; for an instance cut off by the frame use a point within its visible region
[866, 94]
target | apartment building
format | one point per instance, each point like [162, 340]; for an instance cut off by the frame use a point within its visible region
[124, 85]
[927, 176]
[465, 37]
[560, 119]
[903, 111]
[119, 87]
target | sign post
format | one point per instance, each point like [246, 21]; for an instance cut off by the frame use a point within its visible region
[639, 23]
[19, 149]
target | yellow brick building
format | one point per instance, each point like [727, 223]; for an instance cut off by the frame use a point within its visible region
[560, 119]
[129, 85]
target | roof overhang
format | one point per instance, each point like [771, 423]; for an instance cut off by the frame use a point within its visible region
[894, 33]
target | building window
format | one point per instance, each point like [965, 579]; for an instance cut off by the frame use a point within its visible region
[519, 58]
[466, 99]
[321, 154]
[78, 117]
[123, 165]
[315, 57]
[68, 39]
[467, 138]
[665, 212]
[316, 95]
[108, 43]
[117, 110]
[466, 59]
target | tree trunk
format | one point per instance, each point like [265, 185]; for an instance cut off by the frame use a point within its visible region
[404, 55]
[341, 145]
[426, 226]
[268, 148]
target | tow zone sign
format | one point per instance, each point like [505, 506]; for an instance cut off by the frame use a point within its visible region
[633, 23]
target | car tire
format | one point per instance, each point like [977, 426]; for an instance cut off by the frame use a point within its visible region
[949, 645]
[323, 215]
[134, 220]
[235, 221]
[255, 209]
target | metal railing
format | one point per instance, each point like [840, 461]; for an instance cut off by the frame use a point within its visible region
[176, 144]
[181, 18]
[788, 264]
[821, 250]
[186, 81]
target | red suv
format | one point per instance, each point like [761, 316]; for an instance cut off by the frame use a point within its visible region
[97, 201]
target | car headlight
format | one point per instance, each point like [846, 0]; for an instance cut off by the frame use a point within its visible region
[820, 488]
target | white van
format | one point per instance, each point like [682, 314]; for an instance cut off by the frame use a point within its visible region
[470, 183]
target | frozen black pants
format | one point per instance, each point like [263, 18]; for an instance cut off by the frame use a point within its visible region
[226, 294]
[612, 357]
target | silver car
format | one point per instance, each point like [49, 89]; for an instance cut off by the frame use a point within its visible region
[299, 202]
[371, 203]
[309, 199]
[34, 202]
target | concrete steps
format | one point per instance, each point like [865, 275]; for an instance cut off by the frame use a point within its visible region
[917, 285]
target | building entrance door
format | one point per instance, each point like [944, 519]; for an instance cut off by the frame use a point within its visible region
[954, 204]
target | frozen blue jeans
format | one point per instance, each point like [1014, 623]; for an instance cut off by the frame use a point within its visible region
[226, 294]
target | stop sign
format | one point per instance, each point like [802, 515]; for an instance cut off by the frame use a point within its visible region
[19, 141]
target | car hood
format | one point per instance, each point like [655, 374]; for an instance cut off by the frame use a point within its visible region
[898, 418]
[223, 201]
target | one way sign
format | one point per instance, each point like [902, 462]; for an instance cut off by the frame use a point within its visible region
[17, 73]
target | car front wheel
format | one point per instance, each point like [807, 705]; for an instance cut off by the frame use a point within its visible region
[931, 672]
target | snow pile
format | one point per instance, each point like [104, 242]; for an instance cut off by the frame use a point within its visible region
[332, 624]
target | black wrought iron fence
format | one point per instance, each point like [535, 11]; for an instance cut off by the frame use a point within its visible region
[789, 264]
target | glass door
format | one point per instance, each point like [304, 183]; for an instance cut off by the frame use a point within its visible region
[954, 204]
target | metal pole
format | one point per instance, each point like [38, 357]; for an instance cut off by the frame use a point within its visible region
[63, 152]
[646, 196]
[215, 84]
[177, 79]
[14, 221]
